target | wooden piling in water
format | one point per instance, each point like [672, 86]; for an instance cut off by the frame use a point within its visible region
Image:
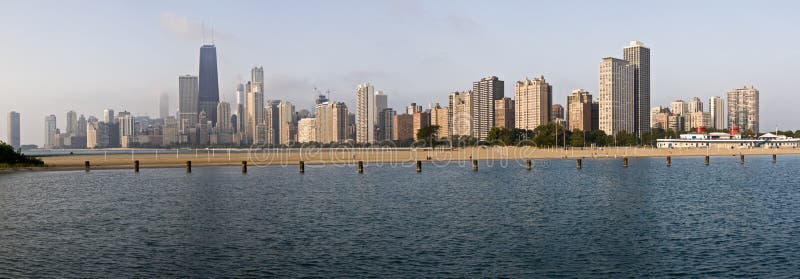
[360, 166]
[136, 166]
[475, 165]
[302, 166]
[87, 165]
[625, 162]
[528, 165]
[244, 166]
[669, 161]
[774, 158]
[580, 164]
[741, 158]
[419, 166]
[188, 166]
[708, 160]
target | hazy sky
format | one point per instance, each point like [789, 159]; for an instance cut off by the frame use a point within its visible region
[57, 56]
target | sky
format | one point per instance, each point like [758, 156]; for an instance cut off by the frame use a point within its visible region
[86, 56]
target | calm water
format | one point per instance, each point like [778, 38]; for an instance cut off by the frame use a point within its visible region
[603, 220]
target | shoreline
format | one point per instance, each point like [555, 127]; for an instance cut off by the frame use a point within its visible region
[377, 156]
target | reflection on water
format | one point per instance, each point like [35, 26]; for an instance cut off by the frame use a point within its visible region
[646, 220]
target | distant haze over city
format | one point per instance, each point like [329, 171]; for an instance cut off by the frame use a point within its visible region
[59, 56]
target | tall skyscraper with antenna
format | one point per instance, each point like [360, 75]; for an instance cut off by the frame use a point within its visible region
[208, 82]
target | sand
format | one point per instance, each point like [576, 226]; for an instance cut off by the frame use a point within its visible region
[379, 156]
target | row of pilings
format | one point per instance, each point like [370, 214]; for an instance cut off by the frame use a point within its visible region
[360, 164]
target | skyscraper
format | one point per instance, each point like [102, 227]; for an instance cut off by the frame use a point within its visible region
[240, 107]
[533, 100]
[163, 106]
[50, 131]
[419, 120]
[127, 131]
[386, 124]
[484, 93]
[638, 57]
[556, 112]
[287, 128]
[412, 108]
[504, 113]
[187, 101]
[579, 110]
[254, 107]
[381, 103]
[679, 107]
[208, 82]
[460, 114]
[441, 117]
[272, 122]
[616, 96]
[224, 118]
[743, 109]
[72, 123]
[307, 130]
[108, 115]
[695, 105]
[331, 122]
[403, 126]
[716, 107]
[81, 127]
[365, 104]
[13, 129]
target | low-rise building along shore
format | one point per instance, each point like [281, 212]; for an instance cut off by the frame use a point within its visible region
[728, 141]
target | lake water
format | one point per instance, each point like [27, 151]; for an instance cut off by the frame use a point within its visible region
[603, 220]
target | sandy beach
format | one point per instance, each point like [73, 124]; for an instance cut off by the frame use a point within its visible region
[377, 156]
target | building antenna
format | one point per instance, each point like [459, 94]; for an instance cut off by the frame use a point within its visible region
[203, 32]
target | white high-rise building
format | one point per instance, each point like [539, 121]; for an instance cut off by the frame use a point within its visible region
[695, 105]
[579, 110]
[716, 106]
[616, 96]
[369, 104]
[460, 114]
[50, 130]
[13, 129]
[240, 107]
[188, 94]
[127, 131]
[679, 107]
[743, 110]
[254, 106]
[307, 130]
[532, 103]
[224, 117]
[163, 105]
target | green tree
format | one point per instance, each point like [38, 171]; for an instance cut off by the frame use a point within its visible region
[499, 135]
[520, 135]
[577, 138]
[550, 135]
[597, 137]
[429, 134]
[624, 138]
[10, 158]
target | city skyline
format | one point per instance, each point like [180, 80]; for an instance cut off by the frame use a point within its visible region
[294, 82]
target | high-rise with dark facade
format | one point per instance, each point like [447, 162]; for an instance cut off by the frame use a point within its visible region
[208, 82]
[638, 57]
